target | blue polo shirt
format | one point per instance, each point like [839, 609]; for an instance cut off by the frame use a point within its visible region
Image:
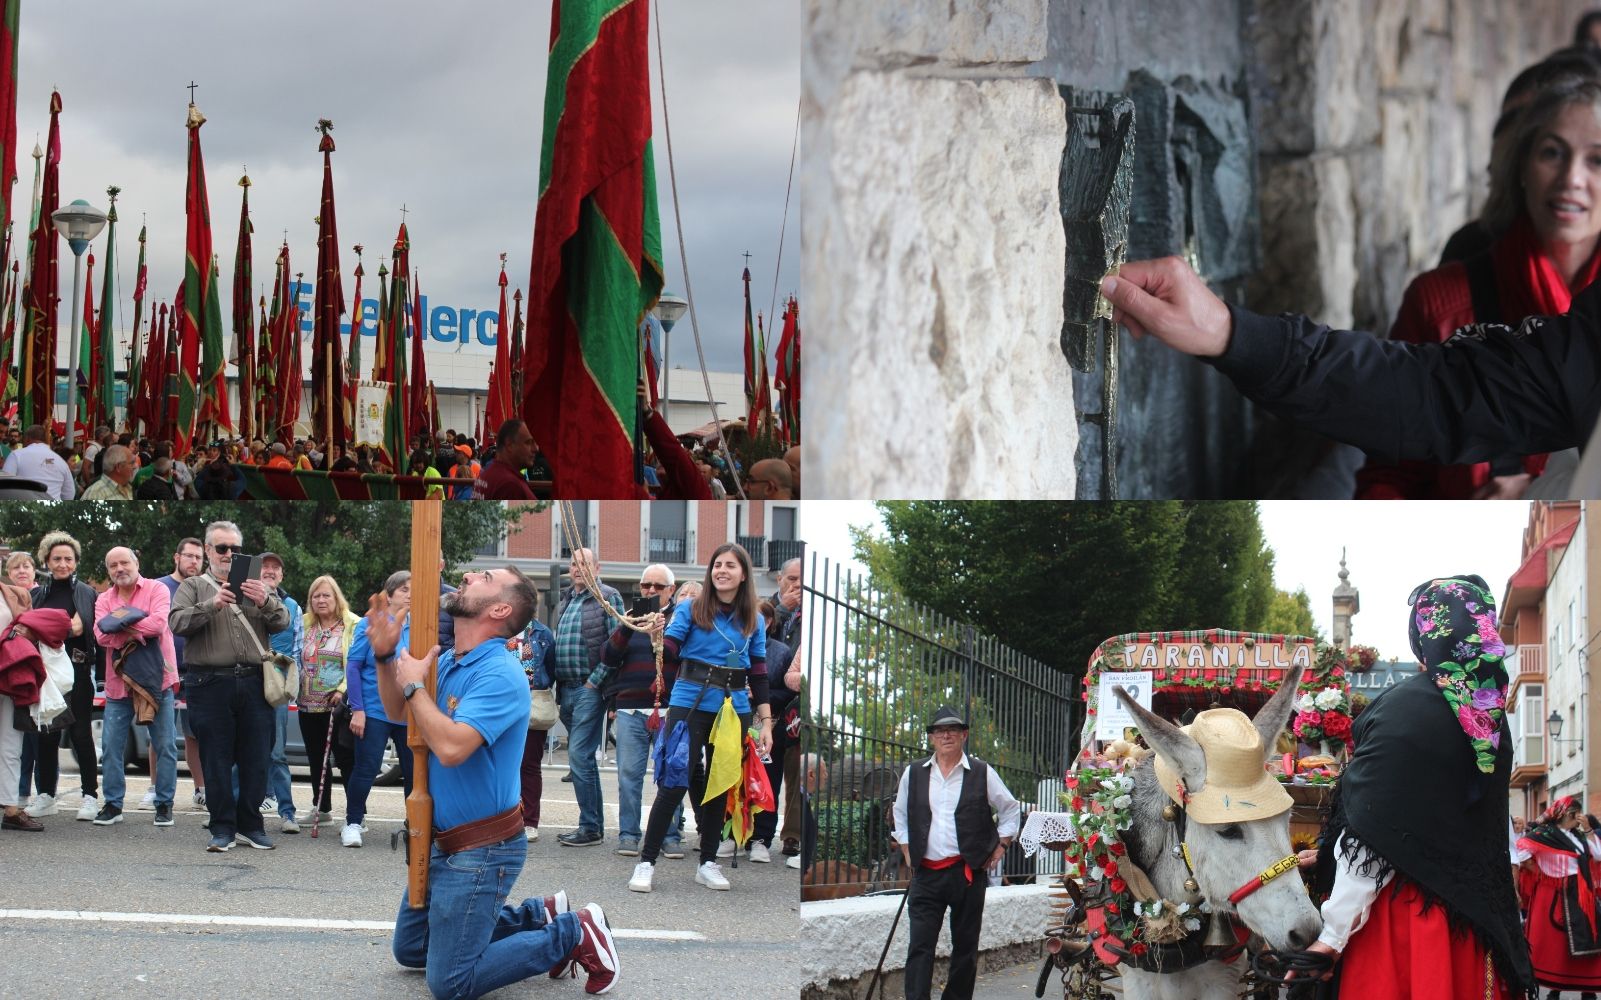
[487, 690]
[713, 646]
[361, 670]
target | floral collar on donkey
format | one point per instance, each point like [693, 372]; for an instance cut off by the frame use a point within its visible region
[1453, 633]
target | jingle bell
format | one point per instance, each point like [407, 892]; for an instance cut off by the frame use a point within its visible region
[1170, 813]
[1190, 885]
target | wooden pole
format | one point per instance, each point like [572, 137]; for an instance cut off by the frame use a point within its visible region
[426, 518]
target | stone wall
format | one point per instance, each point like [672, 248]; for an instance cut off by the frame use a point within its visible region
[934, 255]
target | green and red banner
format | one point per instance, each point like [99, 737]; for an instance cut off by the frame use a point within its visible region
[596, 266]
[788, 381]
[327, 366]
[136, 360]
[353, 356]
[196, 280]
[37, 392]
[9, 22]
[269, 485]
[244, 316]
[498, 406]
[103, 367]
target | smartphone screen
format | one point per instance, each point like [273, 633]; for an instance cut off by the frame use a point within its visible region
[241, 569]
[645, 606]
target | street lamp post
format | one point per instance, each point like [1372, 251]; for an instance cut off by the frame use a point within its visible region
[79, 222]
[669, 309]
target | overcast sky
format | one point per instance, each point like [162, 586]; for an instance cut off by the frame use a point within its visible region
[1390, 548]
[435, 106]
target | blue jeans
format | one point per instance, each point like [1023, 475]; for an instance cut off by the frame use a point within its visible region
[467, 938]
[369, 759]
[233, 723]
[585, 718]
[282, 787]
[633, 752]
[114, 743]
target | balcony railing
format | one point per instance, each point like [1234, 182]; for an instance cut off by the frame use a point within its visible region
[756, 545]
[1530, 661]
[782, 550]
[669, 548]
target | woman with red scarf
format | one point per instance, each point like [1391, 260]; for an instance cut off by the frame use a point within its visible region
[1545, 207]
[1564, 927]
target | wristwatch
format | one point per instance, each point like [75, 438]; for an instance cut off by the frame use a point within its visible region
[410, 689]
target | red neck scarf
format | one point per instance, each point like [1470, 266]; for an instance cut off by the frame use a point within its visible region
[1529, 281]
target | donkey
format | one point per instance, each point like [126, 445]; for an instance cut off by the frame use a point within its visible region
[1225, 856]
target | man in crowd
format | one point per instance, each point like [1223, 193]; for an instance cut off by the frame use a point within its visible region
[288, 642]
[186, 562]
[792, 459]
[225, 633]
[815, 775]
[502, 479]
[159, 485]
[129, 590]
[582, 630]
[627, 680]
[36, 460]
[954, 820]
[769, 479]
[117, 468]
[475, 727]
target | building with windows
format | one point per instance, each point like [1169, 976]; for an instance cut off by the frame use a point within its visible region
[1545, 615]
[628, 535]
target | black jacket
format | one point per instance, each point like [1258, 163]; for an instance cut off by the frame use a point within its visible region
[1489, 390]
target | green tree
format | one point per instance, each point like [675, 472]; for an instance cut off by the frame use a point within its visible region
[1291, 614]
[358, 544]
[1054, 579]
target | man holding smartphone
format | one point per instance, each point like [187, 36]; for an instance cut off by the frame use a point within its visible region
[225, 634]
[582, 629]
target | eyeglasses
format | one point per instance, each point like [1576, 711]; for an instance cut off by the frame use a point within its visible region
[653, 586]
[947, 731]
[226, 548]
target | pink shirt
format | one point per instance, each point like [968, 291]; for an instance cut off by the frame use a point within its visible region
[151, 597]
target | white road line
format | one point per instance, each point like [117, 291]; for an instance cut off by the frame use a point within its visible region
[297, 923]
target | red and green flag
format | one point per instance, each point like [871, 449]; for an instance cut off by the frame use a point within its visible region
[498, 408]
[291, 378]
[103, 366]
[9, 340]
[419, 417]
[192, 317]
[396, 442]
[37, 389]
[327, 366]
[596, 266]
[244, 316]
[214, 411]
[758, 395]
[787, 380]
[353, 356]
[136, 359]
[8, 112]
[86, 342]
[271, 350]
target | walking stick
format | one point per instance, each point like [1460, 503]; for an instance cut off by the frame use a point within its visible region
[426, 517]
[316, 793]
[878, 972]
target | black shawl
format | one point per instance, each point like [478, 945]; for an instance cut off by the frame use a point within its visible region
[1413, 802]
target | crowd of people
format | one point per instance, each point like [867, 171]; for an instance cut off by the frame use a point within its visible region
[215, 640]
[105, 465]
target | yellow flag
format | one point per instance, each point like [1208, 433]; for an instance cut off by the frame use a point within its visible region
[726, 758]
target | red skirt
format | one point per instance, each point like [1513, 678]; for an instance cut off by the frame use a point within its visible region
[1402, 953]
[1554, 966]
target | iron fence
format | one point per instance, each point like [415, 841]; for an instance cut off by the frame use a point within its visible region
[876, 667]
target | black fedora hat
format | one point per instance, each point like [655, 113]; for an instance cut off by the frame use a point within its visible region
[945, 715]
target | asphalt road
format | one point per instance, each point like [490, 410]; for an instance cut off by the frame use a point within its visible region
[745, 946]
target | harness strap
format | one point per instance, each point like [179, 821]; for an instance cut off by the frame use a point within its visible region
[1282, 866]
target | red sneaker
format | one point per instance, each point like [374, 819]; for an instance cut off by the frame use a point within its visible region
[596, 951]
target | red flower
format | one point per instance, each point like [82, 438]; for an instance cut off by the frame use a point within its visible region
[1336, 724]
[1138, 948]
[1161, 675]
[1071, 781]
[1112, 908]
[1110, 867]
[1118, 885]
[1337, 672]
[1091, 711]
[1095, 838]
[1225, 689]
[1117, 848]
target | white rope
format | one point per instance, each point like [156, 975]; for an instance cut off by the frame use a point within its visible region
[772, 307]
[683, 259]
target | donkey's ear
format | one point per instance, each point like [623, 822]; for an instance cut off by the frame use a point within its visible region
[1183, 754]
[1272, 718]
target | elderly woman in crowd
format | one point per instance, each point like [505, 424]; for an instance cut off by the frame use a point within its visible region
[329, 629]
[60, 553]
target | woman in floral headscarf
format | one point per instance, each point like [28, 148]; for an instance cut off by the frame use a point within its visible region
[1421, 904]
[1564, 943]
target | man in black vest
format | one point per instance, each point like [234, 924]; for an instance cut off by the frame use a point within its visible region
[954, 820]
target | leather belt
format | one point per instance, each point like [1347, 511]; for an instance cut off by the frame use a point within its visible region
[481, 832]
[236, 669]
[697, 672]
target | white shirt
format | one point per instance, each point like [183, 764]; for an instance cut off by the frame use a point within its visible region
[36, 461]
[943, 793]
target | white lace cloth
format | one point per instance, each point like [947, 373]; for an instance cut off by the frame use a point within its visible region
[1045, 828]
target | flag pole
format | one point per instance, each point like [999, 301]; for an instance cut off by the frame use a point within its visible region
[426, 527]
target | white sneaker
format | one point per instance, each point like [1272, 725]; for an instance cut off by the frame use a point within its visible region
[311, 816]
[793, 862]
[350, 836]
[726, 849]
[198, 798]
[759, 854]
[644, 874]
[532, 832]
[43, 804]
[269, 806]
[710, 876]
[89, 809]
[148, 800]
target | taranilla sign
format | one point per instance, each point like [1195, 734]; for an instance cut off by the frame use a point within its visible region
[1275, 652]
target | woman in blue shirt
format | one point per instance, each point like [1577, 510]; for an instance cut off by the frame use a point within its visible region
[535, 648]
[372, 728]
[719, 644]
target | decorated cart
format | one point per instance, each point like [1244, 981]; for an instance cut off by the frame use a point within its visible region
[1107, 913]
